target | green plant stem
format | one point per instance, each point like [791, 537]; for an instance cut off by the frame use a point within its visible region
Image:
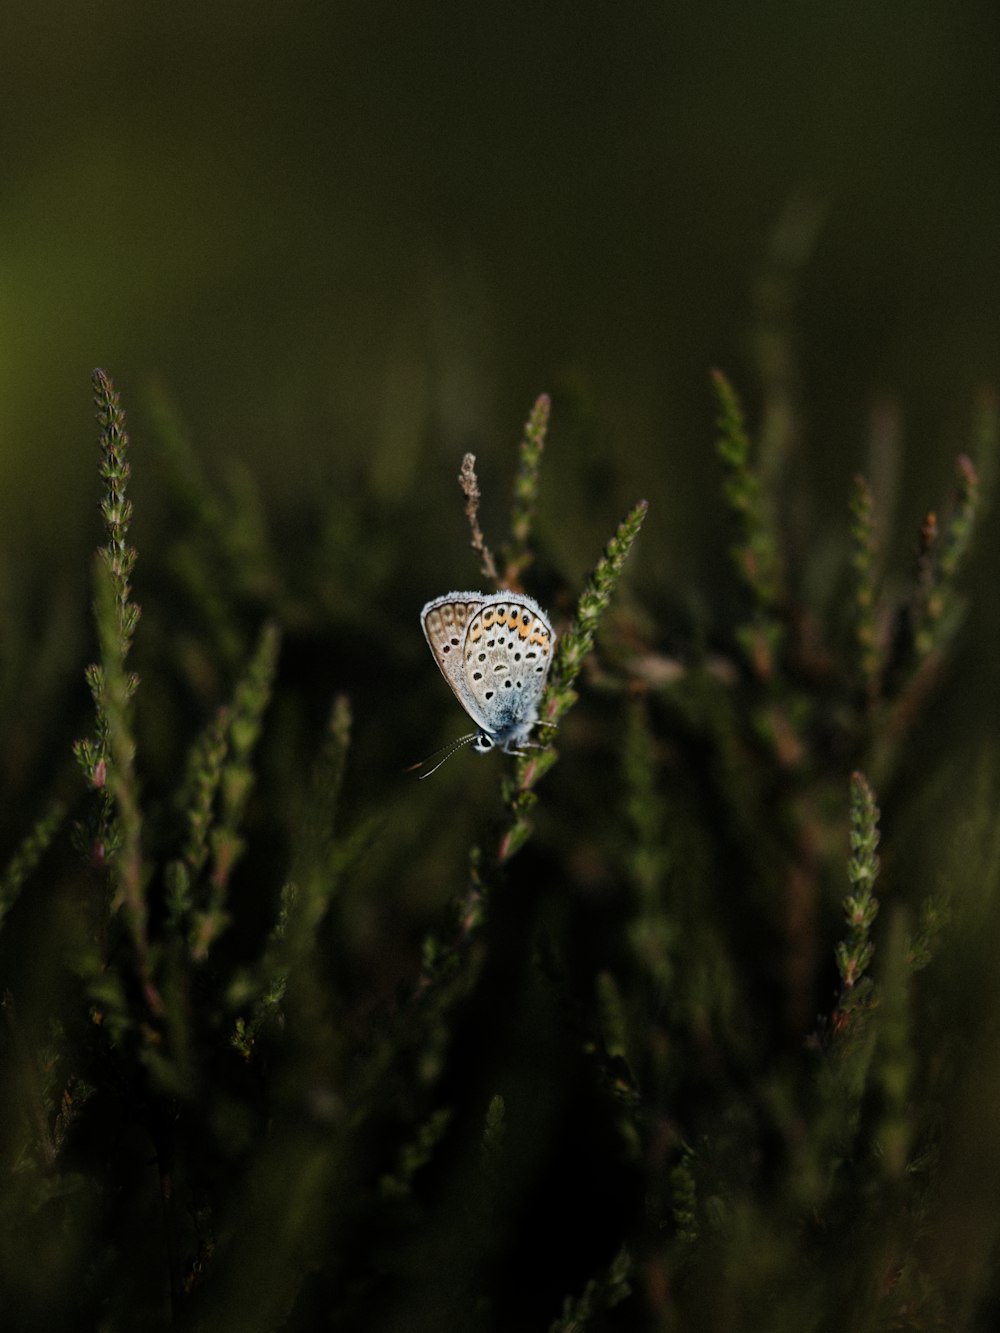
[108, 761]
[559, 697]
[519, 552]
[27, 856]
[757, 552]
[860, 906]
[864, 562]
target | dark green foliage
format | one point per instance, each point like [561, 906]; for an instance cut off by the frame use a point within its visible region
[27, 856]
[689, 1060]
[860, 906]
[864, 562]
[520, 553]
[571, 651]
[600, 1295]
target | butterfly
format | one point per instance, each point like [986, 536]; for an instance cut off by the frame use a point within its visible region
[494, 650]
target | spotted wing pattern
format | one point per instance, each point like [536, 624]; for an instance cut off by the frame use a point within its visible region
[508, 649]
[495, 651]
[445, 621]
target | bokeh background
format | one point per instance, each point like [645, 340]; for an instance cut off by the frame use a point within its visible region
[365, 236]
[351, 241]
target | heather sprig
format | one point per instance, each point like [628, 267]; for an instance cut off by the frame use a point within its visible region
[577, 641]
[116, 508]
[864, 562]
[31, 850]
[235, 780]
[600, 1295]
[492, 1157]
[448, 965]
[937, 607]
[108, 761]
[208, 758]
[115, 613]
[494, 1132]
[469, 483]
[414, 1154]
[319, 862]
[860, 906]
[757, 553]
[895, 1060]
[519, 553]
[573, 647]
[321, 856]
[264, 991]
[196, 802]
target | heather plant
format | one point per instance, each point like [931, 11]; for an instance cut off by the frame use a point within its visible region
[671, 1043]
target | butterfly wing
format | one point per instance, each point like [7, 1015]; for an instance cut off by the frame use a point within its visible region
[507, 653]
[445, 621]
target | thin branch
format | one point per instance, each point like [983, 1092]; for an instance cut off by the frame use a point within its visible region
[469, 483]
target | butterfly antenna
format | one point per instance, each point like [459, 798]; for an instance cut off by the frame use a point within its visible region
[446, 751]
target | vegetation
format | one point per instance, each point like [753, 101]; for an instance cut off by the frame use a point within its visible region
[683, 1052]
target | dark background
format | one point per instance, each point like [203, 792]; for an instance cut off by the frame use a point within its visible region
[353, 241]
[372, 233]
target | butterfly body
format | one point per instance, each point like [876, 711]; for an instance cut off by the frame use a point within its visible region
[494, 650]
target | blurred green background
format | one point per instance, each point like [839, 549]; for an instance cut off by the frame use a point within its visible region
[356, 240]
